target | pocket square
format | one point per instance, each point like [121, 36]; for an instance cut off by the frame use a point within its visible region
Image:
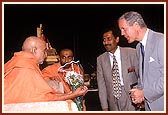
[131, 69]
[151, 59]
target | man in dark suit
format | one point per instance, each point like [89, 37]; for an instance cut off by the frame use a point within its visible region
[151, 60]
[128, 73]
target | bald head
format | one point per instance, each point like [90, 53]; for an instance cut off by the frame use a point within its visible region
[31, 42]
[36, 46]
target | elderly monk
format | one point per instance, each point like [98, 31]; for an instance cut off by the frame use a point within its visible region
[52, 72]
[23, 80]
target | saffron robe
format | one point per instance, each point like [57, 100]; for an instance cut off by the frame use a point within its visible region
[23, 81]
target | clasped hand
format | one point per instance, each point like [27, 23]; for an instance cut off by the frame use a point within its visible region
[137, 95]
[81, 91]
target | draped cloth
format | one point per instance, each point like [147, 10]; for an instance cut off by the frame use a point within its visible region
[51, 72]
[23, 81]
[42, 107]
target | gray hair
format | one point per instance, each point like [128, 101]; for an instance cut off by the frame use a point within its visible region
[132, 17]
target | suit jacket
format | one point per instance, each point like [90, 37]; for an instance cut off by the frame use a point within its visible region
[152, 81]
[104, 75]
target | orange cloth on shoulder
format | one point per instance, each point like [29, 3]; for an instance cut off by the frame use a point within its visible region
[52, 72]
[23, 81]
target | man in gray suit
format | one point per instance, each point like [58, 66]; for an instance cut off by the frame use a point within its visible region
[128, 68]
[151, 63]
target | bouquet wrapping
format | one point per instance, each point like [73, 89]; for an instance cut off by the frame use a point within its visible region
[75, 80]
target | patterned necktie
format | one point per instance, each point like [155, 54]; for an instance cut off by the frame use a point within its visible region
[116, 79]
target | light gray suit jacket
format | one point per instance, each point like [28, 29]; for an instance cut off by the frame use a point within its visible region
[152, 81]
[104, 75]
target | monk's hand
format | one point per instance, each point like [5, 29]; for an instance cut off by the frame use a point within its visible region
[81, 91]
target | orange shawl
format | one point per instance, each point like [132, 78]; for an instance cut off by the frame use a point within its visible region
[23, 80]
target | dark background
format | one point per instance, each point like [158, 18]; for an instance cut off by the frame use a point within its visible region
[75, 26]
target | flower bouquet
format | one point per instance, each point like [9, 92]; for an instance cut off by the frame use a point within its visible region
[75, 80]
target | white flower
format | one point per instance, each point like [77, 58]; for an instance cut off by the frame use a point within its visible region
[74, 79]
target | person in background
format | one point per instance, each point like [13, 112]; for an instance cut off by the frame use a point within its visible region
[128, 73]
[23, 80]
[52, 74]
[150, 51]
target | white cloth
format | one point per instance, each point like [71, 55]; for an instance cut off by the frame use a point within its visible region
[38, 107]
[57, 86]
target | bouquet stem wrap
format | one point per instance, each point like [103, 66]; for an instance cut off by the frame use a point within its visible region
[78, 100]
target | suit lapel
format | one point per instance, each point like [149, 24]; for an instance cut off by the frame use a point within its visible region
[108, 67]
[107, 63]
[124, 65]
[148, 51]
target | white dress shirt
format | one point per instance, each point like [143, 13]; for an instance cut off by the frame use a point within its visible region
[145, 39]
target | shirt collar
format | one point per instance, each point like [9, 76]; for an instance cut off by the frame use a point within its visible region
[145, 38]
[116, 53]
